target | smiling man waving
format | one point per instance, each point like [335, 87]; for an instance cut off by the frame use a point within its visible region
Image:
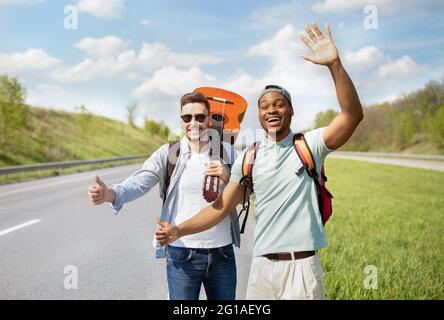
[289, 227]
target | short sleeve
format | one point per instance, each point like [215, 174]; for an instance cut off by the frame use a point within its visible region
[315, 141]
[236, 170]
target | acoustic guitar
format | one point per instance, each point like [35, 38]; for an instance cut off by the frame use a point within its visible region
[227, 110]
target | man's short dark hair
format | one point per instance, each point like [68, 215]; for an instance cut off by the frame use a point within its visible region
[194, 97]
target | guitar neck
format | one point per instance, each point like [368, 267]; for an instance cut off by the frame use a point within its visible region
[216, 144]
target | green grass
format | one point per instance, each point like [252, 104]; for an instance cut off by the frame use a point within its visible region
[392, 218]
[51, 135]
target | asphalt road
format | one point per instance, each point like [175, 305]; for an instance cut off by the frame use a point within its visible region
[49, 232]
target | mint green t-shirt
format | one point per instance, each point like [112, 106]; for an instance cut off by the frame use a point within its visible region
[286, 205]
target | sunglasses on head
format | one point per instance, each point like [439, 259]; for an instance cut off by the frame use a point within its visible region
[199, 117]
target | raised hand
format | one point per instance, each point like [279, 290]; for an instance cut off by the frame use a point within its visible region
[99, 193]
[323, 48]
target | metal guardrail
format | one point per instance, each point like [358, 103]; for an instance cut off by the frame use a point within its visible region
[67, 164]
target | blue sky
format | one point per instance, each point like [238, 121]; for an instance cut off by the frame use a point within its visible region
[152, 52]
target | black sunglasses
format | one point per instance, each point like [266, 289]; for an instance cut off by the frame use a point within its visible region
[199, 117]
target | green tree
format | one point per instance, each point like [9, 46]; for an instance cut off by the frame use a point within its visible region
[432, 127]
[84, 118]
[439, 125]
[324, 118]
[13, 111]
[164, 131]
[131, 110]
[152, 126]
[403, 126]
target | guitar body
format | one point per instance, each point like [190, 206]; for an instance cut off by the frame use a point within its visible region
[227, 110]
[210, 190]
[228, 107]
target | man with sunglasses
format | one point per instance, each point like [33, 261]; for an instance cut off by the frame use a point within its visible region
[288, 227]
[204, 258]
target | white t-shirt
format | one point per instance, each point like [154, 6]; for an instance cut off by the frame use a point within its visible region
[190, 201]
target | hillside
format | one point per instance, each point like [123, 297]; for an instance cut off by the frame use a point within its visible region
[50, 135]
[413, 123]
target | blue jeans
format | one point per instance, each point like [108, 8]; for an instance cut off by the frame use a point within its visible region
[188, 268]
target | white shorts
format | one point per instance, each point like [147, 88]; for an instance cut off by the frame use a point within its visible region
[285, 280]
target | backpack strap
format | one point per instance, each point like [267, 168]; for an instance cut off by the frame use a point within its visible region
[248, 160]
[304, 153]
[173, 153]
[247, 180]
[307, 159]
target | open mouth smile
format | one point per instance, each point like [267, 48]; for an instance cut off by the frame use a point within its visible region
[273, 120]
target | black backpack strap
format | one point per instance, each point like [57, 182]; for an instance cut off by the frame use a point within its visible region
[173, 155]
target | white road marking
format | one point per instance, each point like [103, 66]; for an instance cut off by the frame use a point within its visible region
[20, 226]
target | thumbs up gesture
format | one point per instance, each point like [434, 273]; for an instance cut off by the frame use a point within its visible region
[99, 193]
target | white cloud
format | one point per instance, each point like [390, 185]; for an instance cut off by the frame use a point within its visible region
[400, 68]
[103, 47]
[127, 63]
[172, 81]
[103, 67]
[364, 58]
[30, 61]
[155, 55]
[284, 44]
[108, 9]
[159, 96]
[108, 56]
[145, 23]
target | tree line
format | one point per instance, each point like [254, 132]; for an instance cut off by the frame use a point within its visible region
[412, 122]
[14, 113]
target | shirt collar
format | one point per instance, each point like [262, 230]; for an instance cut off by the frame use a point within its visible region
[288, 140]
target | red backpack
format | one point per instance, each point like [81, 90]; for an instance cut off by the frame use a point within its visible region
[304, 153]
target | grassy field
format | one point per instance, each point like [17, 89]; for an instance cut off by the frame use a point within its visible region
[51, 135]
[389, 217]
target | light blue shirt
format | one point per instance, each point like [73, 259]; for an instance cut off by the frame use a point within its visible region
[286, 205]
[153, 172]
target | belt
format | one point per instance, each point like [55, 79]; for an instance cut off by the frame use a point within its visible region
[289, 255]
